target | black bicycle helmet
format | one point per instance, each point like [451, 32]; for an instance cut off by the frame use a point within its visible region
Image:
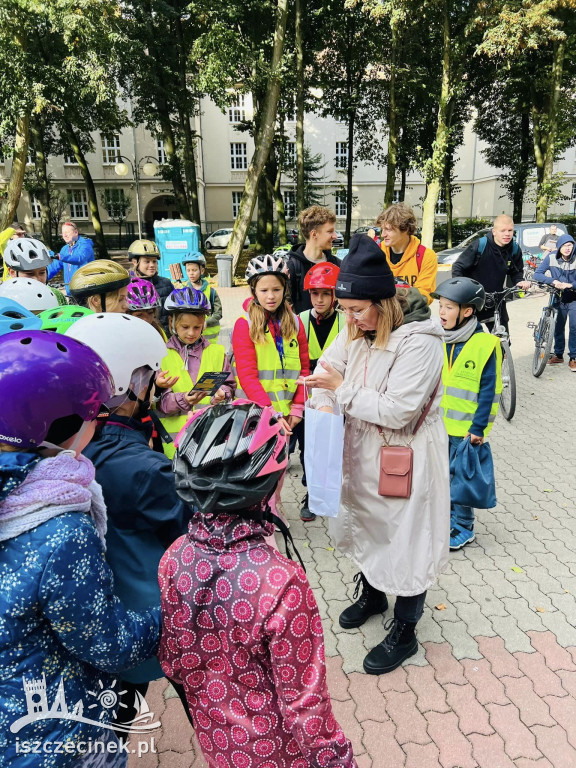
[230, 457]
[462, 290]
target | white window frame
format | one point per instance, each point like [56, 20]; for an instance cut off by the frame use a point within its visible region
[441, 205]
[30, 159]
[291, 112]
[110, 149]
[238, 156]
[289, 198]
[341, 158]
[236, 198]
[396, 196]
[290, 153]
[35, 206]
[340, 204]
[70, 160]
[77, 203]
[160, 151]
[110, 193]
[237, 109]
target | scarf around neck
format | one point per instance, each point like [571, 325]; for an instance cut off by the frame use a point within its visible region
[53, 487]
[466, 331]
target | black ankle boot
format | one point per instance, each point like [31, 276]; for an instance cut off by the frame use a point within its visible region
[399, 644]
[370, 602]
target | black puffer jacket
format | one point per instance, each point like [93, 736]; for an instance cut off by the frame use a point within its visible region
[299, 265]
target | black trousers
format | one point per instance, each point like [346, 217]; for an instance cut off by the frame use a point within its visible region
[127, 710]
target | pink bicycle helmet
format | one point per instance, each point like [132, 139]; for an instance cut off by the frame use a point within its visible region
[142, 295]
[230, 457]
[266, 265]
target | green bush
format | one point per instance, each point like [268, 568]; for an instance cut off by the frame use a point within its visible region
[461, 229]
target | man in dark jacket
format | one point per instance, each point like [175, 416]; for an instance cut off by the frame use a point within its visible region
[499, 260]
[144, 255]
[318, 227]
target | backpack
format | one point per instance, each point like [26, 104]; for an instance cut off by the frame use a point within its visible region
[482, 246]
[421, 250]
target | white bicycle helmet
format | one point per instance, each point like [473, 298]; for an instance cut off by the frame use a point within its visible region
[31, 294]
[267, 264]
[124, 342]
[26, 254]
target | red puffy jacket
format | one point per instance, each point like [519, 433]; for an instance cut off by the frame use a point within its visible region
[242, 633]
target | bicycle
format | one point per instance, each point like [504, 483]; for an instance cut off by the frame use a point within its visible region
[531, 265]
[508, 394]
[544, 331]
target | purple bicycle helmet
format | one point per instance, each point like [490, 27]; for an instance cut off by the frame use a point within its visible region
[49, 383]
[187, 300]
[142, 295]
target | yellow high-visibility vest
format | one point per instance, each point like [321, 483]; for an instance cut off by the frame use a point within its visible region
[314, 347]
[212, 360]
[462, 383]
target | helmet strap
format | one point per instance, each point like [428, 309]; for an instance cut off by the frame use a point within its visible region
[283, 528]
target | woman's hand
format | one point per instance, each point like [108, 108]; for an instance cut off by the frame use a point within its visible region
[164, 380]
[326, 409]
[193, 398]
[329, 378]
[475, 439]
[293, 421]
[219, 397]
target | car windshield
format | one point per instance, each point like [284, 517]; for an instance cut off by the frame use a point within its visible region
[472, 238]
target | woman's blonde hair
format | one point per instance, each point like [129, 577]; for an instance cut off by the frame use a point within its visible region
[390, 317]
[259, 320]
[112, 300]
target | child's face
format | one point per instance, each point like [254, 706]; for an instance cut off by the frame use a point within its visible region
[270, 292]
[451, 313]
[147, 266]
[566, 249]
[149, 315]
[34, 274]
[189, 327]
[194, 272]
[321, 299]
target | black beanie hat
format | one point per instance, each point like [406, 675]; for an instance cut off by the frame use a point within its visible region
[365, 273]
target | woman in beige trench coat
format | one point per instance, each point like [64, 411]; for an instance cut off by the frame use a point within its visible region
[382, 371]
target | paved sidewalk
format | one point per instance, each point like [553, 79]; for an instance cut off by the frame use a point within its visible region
[494, 682]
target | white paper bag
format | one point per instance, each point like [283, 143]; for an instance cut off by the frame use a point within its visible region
[323, 449]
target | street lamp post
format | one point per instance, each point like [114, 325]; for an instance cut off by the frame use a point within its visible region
[146, 165]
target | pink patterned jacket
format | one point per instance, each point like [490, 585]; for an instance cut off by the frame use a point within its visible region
[242, 633]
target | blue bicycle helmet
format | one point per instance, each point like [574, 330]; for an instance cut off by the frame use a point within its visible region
[195, 257]
[187, 300]
[14, 317]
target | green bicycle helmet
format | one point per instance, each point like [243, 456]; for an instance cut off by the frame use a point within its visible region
[59, 320]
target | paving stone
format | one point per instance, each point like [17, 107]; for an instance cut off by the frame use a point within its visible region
[454, 749]
[382, 746]
[456, 592]
[428, 628]
[525, 615]
[178, 736]
[476, 623]
[472, 717]
[533, 709]
[352, 650]
[418, 756]
[518, 740]
[373, 630]
[563, 711]
[429, 694]
[148, 760]
[345, 714]
[490, 605]
[546, 682]
[325, 561]
[338, 682]
[489, 689]
[568, 681]
[363, 761]
[488, 751]
[447, 669]
[501, 660]
[522, 762]
[469, 575]
[394, 681]
[532, 592]
[410, 724]
[370, 701]
[335, 608]
[463, 645]
[501, 586]
[514, 639]
[553, 744]
[556, 656]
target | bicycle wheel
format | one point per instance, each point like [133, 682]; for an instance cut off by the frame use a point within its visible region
[508, 394]
[543, 337]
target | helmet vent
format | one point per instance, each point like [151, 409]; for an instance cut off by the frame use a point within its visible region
[61, 347]
[27, 340]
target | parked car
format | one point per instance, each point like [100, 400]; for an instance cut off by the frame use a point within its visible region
[339, 241]
[528, 237]
[363, 230]
[221, 238]
[291, 237]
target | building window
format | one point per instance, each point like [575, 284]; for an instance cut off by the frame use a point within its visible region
[110, 149]
[238, 156]
[341, 208]
[291, 112]
[36, 212]
[237, 109]
[236, 198]
[396, 196]
[441, 204]
[117, 203]
[78, 203]
[289, 197]
[573, 195]
[341, 160]
[31, 157]
[290, 154]
[70, 160]
[160, 151]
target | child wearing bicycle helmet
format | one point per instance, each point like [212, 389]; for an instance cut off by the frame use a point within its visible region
[28, 257]
[143, 302]
[31, 294]
[145, 258]
[195, 266]
[101, 285]
[241, 629]
[471, 378]
[190, 355]
[65, 634]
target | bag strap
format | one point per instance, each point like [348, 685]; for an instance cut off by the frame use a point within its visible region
[420, 421]
[420, 252]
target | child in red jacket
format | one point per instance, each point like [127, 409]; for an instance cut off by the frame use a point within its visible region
[240, 625]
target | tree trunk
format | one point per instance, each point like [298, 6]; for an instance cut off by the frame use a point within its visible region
[435, 170]
[74, 142]
[37, 142]
[543, 194]
[393, 127]
[448, 196]
[275, 178]
[402, 184]
[174, 166]
[263, 139]
[300, 191]
[264, 222]
[522, 177]
[349, 176]
[9, 203]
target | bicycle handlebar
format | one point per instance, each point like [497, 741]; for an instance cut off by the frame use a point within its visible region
[497, 297]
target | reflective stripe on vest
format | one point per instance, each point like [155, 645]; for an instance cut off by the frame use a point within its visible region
[210, 333]
[280, 384]
[314, 348]
[462, 384]
[212, 360]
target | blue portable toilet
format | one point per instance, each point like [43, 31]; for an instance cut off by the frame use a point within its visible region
[175, 238]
